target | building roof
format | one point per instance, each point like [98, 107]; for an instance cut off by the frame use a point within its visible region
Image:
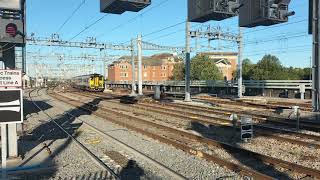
[154, 60]
[224, 61]
[218, 53]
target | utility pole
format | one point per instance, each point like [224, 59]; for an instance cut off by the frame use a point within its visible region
[139, 42]
[133, 69]
[316, 60]
[310, 75]
[187, 75]
[240, 49]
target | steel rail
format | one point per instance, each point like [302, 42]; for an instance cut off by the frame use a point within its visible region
[211, 120]
[131, 149]
[259, 157]
[232, 166]
[219, 110]
[97, 160]
[250, 104]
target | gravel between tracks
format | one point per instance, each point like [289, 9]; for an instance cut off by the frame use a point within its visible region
[305, 156]
[65, 154]
[189, 166]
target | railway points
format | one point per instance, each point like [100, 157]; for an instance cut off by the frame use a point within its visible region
[193, 127]
[81, 99]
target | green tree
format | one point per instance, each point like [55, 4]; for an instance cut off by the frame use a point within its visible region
[247, 69]
[307, 73]
[269, 68]
[202, 68]
[178, 72]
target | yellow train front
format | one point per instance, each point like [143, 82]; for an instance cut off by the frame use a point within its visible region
[91, 82]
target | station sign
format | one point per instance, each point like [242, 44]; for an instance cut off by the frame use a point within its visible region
[10, 78]
[11, 106]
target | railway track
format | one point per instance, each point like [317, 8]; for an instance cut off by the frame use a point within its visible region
[272, 105]
[133, 120]
[304, 124]
[128, 148]
[218, 121]
[109, 172]
[260, 118]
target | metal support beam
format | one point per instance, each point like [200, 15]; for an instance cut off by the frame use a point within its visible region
[9, 63]
[133, 68]
[240, 44]
[93, 44]
[187, 75]
[139, 43]
[4, 150]
[316, 58]
[12, 140]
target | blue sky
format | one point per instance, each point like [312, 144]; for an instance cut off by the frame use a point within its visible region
[289, 41]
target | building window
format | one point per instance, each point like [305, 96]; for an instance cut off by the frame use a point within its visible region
[123, 74]
[163, 75]
[145, 66]
[163, 67]
[123, 67]
[145, 74]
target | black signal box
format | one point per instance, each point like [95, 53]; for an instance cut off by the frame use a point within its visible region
[206, 10]
[263, 12]
[121, 6]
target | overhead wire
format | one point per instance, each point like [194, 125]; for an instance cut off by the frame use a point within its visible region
[166, 35]
[286, 48]
[134, 18]
[157, 31]
[169, 34]
[71, 15]
[89, 26]
[279, 52]
[255, 42]
[275, 26]
[165, 28]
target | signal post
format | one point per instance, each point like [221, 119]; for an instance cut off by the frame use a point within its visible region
[12, 34]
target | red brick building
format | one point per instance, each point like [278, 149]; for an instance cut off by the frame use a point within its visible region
[155, 68]
[225, 61]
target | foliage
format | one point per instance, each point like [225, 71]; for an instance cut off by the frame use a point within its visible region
[178, 72]
[270, 68]
[202, 68]
[248, 69]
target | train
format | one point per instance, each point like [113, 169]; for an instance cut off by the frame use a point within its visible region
[91, 82]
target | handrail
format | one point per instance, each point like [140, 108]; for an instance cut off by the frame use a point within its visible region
[272, 84]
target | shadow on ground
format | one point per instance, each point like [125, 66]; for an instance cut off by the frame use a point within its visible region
[45, 135]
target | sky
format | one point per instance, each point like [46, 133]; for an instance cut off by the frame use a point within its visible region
[162, 23]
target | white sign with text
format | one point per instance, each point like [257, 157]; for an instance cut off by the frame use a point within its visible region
[10, 78]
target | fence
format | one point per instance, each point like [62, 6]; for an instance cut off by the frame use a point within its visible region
[259, 84]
